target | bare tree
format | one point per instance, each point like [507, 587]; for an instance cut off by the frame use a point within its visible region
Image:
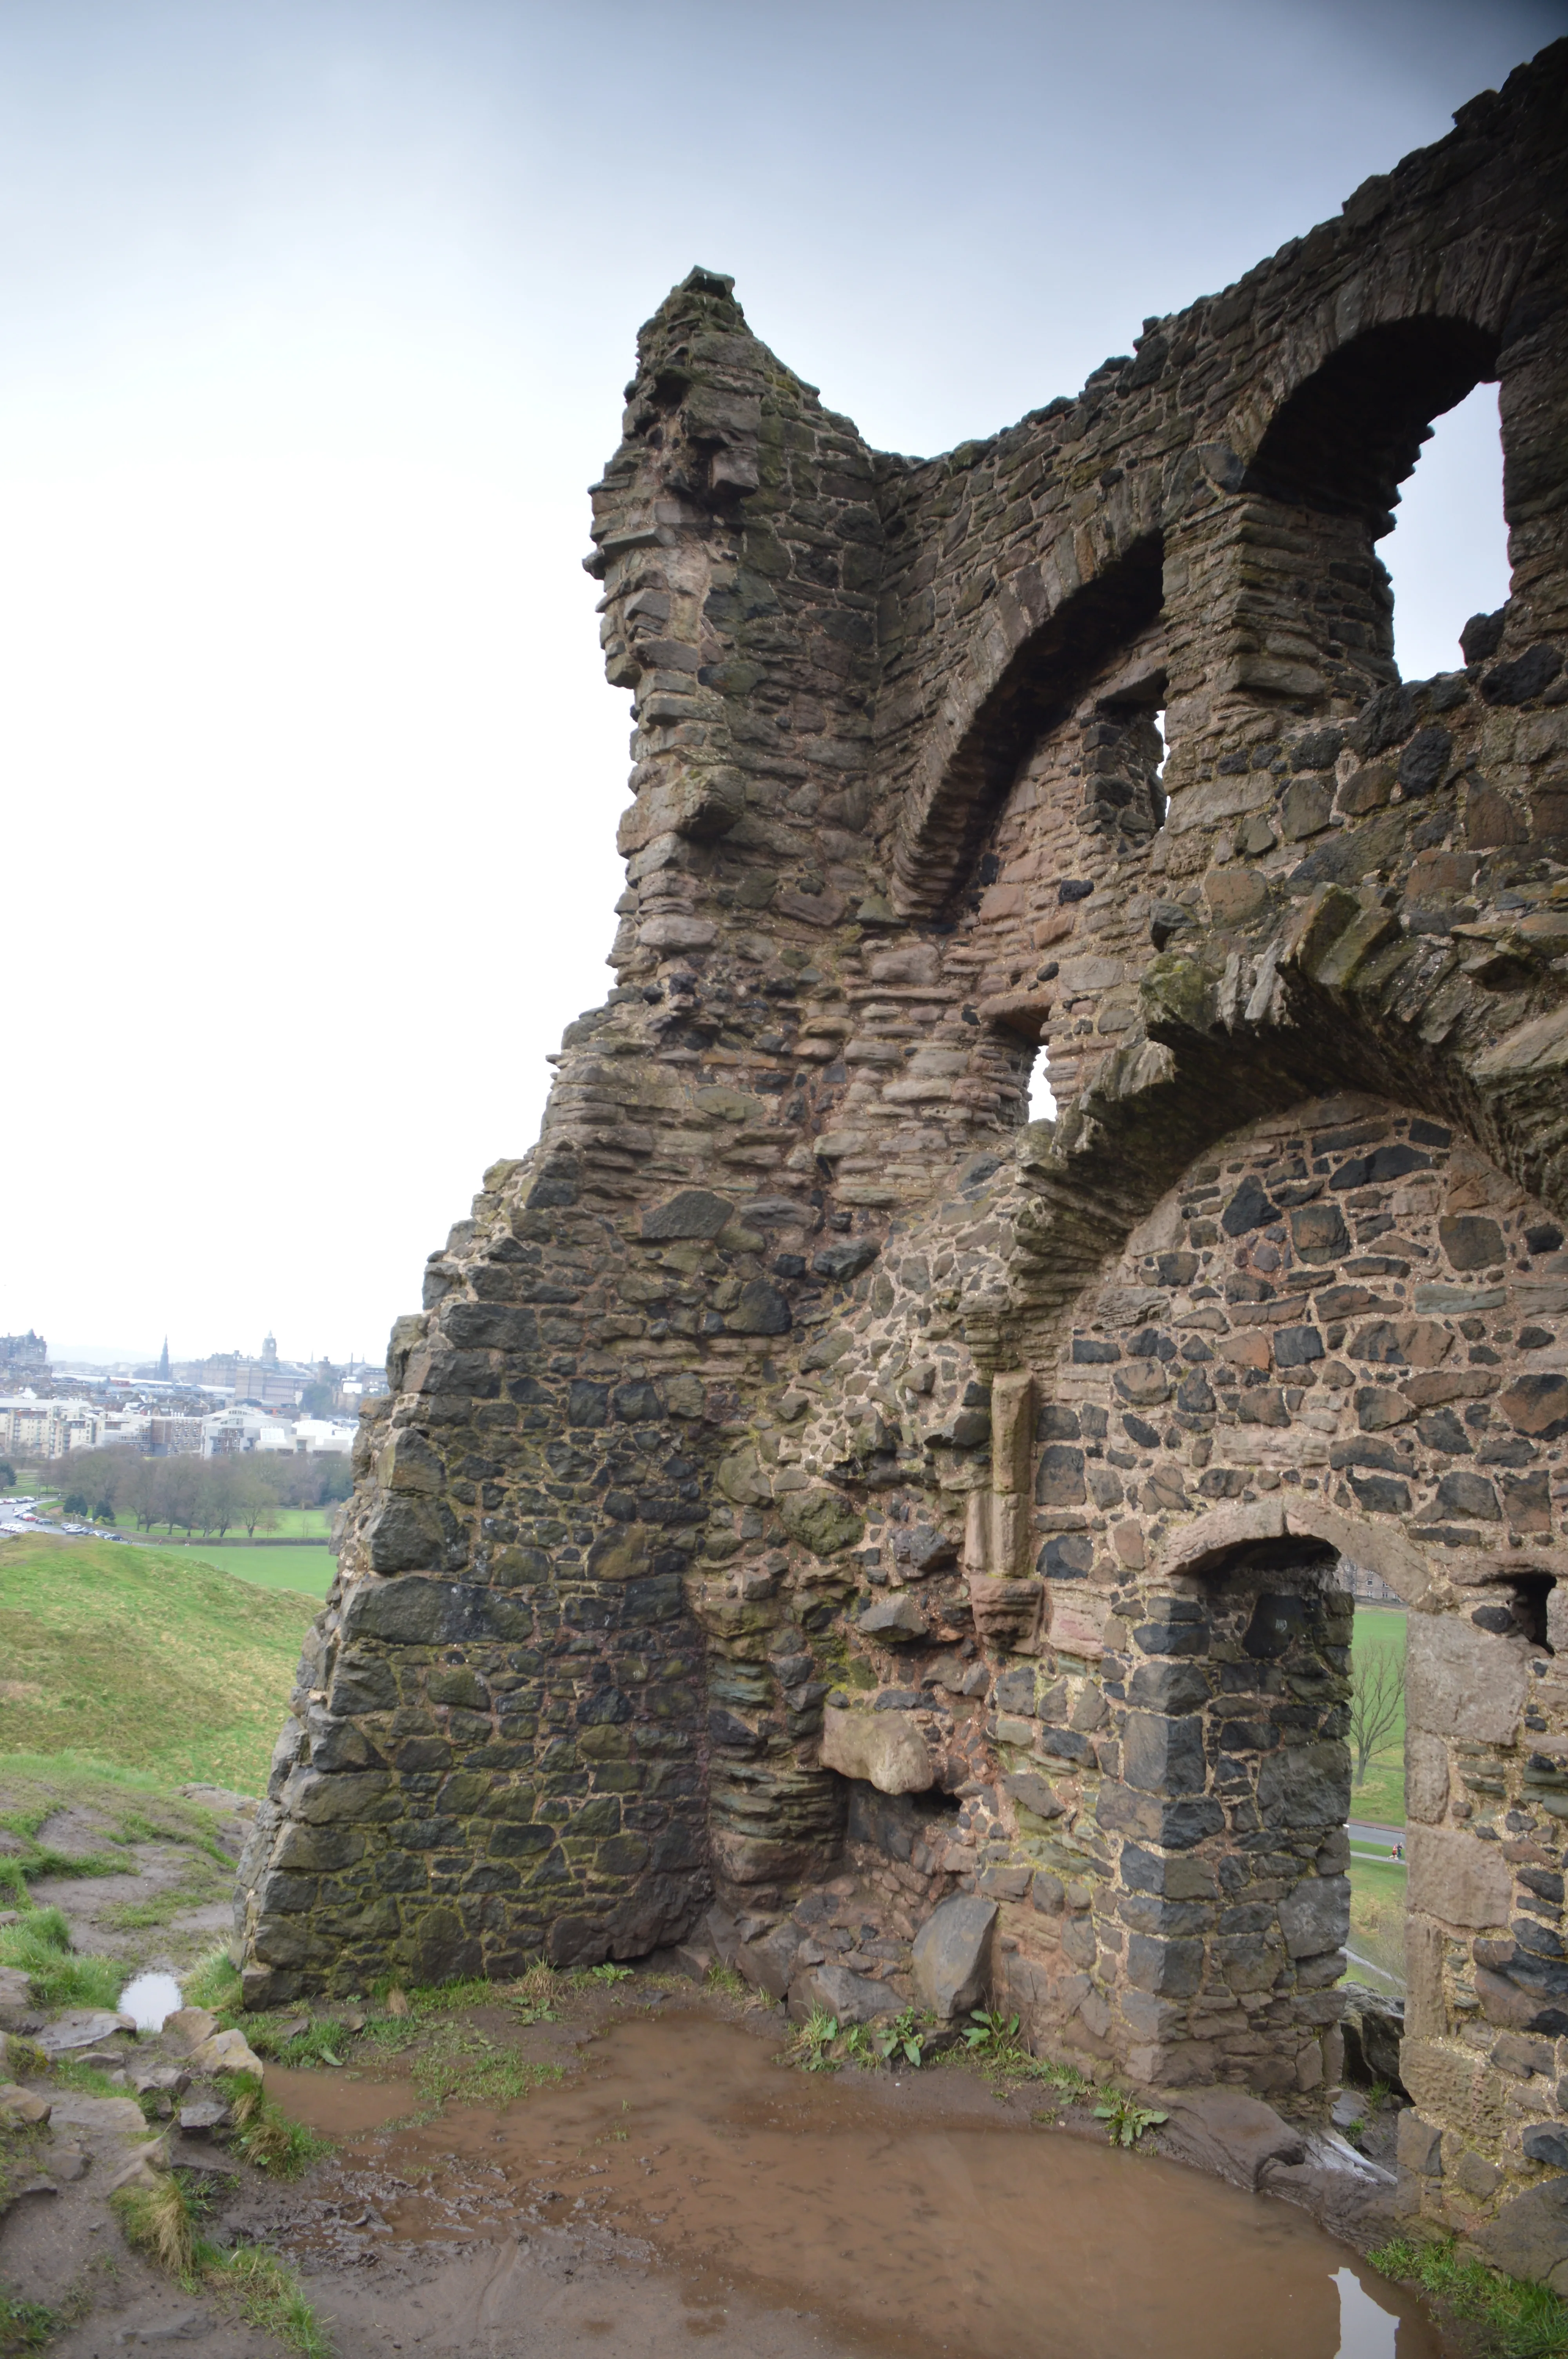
[1377, 1702]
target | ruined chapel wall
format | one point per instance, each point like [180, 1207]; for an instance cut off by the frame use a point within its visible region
[724, 1401]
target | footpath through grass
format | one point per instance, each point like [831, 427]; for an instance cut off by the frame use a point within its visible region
[145, 1658]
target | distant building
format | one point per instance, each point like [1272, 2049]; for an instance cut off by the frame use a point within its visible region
[268, 1381]
[316, 1434]
[230, 1432]
[174, 1437]
[32, 1428]
[1367, 1588]
[22, 1356]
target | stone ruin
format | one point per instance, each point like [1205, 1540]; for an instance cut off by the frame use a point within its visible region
[812, 1490]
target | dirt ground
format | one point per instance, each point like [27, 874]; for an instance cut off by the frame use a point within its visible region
[663, 2176]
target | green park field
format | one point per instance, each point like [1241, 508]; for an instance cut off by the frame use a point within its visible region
[306, 1569]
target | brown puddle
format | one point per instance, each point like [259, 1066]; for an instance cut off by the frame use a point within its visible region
[918, 2217]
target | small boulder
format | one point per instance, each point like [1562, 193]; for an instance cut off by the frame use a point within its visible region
[952, 1954]
[17, 2012]
[199, 2116]
[226, 2052]
[19, 2109]
[1231, 2135]
[894, 1620]
[1528, 2237]
[768, 1963]
[848, 1998]
[187, 2026]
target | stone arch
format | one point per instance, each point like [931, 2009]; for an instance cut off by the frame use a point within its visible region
[1269, 1525]
[1434, 332]
[1345, 436]
[1048, 640]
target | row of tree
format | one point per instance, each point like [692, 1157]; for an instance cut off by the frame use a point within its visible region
[210, 1495]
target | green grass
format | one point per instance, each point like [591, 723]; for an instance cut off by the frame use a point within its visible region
[1517, 2320]
[306, 1571]
[24, 2325]
[1377, 1922]
[145, 1658]
[265, 2135]
[267, 2294]
[1381, 1629]
[40, 1946]
[212, 1983]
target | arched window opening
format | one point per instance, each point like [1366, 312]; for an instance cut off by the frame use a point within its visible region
[1447, 557]
[1337, 453]
[1345, 439]
[1045, 684]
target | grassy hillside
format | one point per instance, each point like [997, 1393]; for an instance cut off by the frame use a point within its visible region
[148, 1659]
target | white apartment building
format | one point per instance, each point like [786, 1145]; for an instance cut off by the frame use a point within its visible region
[235, 1430]
[30, 1427]
[316, 1434]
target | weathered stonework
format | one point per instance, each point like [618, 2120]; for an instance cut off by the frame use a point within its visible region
[795, 1381]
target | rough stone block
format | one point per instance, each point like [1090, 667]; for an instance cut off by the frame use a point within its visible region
[1528, 2237]
[1315, 1916]
[952, 1954]
[846, 1996]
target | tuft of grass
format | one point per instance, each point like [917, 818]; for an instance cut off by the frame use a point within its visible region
[265, 2135]
[161, 2222]
[319, 2043]
[212, 1983]
[1519, 2320]
[59, 1976]
[537, 1998]
[84, 2080]
[727, 1982]
[267, 2294]
[24, 2325]
[811, 2048]
[164, 2221]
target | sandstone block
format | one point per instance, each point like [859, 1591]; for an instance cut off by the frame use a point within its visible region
[1457, 1878]
[886, 1748]
[1461, 1682]
[1426, 1775]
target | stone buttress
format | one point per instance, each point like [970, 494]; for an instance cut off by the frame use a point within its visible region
[805, 1467]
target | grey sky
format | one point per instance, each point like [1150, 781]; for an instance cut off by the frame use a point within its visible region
[317, 319]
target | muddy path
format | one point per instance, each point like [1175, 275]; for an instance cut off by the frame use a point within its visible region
[676, 2180]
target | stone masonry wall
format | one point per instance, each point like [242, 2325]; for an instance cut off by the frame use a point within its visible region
[803, 1466]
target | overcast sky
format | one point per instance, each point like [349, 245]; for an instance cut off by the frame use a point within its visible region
[316, 321]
